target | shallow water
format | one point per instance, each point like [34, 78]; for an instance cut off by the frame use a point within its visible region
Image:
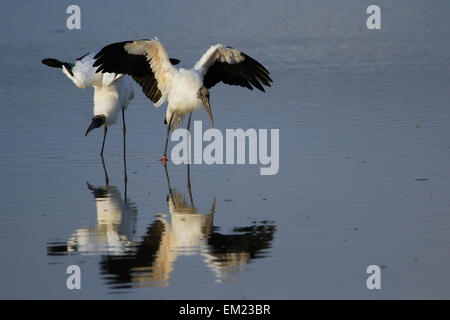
[364, 157]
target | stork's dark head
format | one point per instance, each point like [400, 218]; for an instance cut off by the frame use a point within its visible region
[97, 121]
[203, 95]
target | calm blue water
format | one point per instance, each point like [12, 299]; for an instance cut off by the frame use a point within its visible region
[364, 157]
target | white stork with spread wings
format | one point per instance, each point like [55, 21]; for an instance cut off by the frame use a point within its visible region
[184, 90]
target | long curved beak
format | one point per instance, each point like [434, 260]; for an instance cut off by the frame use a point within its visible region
[207, 105]
[97, 121]
[91, 127]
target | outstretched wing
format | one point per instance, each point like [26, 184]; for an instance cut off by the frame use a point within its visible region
[82, 72]
[231, 66]
[55, 63]
[145, 60]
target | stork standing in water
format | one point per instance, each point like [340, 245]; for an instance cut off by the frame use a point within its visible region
[112, 92]
[184, 90]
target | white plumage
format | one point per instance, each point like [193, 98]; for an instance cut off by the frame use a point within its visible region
[184, 90]
[182, 97]
[112, 92]
[116, 222]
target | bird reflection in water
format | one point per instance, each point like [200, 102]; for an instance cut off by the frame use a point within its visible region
[186, 232]
[116, 222]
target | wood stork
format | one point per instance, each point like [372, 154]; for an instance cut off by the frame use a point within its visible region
[112, 92]
[184, 90]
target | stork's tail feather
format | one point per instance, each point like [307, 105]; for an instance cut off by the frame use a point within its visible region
[55, 63]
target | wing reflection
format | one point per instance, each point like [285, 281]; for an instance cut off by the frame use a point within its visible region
[186, 232]
[229, 253]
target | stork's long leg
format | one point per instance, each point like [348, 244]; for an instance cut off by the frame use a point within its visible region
[104, 138]
[188, 139]
[170, 188]
[125, 177]
[164, 157]
[189, 183]
[189, 122]
[106, 172]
